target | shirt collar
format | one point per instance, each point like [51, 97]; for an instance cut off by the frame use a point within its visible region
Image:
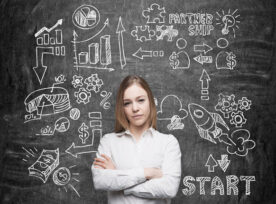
[127, 132]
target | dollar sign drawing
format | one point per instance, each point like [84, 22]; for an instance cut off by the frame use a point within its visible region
[174, 62]
[63, 176]
[84, 134]
[231, 62]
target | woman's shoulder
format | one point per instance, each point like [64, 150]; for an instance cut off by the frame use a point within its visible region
[165, 136]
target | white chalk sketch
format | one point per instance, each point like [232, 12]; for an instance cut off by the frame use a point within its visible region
[63, 177]
[143, 33]
[171, 110]
[211, 163]
[140, 53]
[74, 113]
[226, 104]
[244, 103]
[120, 29]
[203, 59]
[61, 125]
[77, 81]
[207, 124]
[181, 43]
[46, 101]
[93, 83]
[224, 162]
[154, 14]
[181, 59]
[45, 164]
[50, 44]
[168, 31]
[104, 103]
[226, 60]
[204, 79]
[222, 43]
[83, 96]
[96, 119]
[84, 134]
[238, 119]
[241, 138]
[203, 48]
[30, 152]
[74, 150]
[86, 17]
[228, 21]
[247, 180]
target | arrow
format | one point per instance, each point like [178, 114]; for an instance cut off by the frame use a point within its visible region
[202, 48]
[75, 35]
[40, 68]
[211, 163]
[203, 59]
[105, 24]
[142, 53]
[74, 150]
[224, 162]
[224, 138]
[204, 78]
[59, 22]
[119, 31]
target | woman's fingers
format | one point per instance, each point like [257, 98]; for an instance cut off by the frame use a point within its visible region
[101, 164]
[106, 157]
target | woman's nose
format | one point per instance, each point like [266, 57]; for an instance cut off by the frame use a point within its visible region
[135, 107]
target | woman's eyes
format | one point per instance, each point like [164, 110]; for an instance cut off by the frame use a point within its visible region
[126, 103]
[141, 100]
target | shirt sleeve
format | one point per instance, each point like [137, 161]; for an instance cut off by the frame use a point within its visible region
[166, 186]
[114, 180]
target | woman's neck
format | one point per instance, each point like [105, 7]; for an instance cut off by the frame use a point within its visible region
[138, 131]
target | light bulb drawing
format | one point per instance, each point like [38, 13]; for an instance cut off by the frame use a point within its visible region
[228, 21]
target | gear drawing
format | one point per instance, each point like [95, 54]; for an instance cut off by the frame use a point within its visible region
[83, 96]
[238, 119]
[142, 33]
[77, 81]
[226, 104]
[244, 103]
[154, 14]
[93, 83]
[164, 30]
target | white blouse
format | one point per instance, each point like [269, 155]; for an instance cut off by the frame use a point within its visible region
[127, 183]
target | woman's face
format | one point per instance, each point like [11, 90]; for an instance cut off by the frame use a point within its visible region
[136, 106]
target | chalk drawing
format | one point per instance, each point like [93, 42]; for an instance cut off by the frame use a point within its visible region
[203, 59]
[96, 119]
[45, 164]
[84, 134]
[224, 162]
[204, 79]
[120, 29]
[61, 125]
[171, 109]
[226, 60]
[241, 138]
[77, 81]
[238, 119]
[104, 103]
[222, 43]
[154, 14]
[83, 96]
[211, 163]
[181, 59]
[74, 113]
[143, 33]
[46, 101]
[207, 124]
[228, 21]
[203, 48]
[141, 54]
[93, 83]
[86, 17]
[163, 30]
[244, 103]
[30, 152]
[226, 104]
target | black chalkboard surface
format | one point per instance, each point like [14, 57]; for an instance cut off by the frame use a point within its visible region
[210, 65]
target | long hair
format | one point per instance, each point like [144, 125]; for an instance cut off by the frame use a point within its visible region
[122, 122]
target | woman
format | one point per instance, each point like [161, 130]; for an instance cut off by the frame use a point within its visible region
[137, 164]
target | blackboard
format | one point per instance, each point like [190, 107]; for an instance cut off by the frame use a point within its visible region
[210, 65]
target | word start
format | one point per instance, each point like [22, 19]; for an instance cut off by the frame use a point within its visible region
[232, 182]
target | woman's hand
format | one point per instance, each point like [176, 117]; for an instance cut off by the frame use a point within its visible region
[104, 163]
[151, 173]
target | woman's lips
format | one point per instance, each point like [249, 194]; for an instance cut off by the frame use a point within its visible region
[137, 116]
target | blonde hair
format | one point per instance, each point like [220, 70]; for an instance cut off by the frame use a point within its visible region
[122, 122]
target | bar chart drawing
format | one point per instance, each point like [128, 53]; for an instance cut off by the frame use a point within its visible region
[48, 41]
[96, 56]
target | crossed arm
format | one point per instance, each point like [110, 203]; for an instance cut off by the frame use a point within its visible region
[140, 182]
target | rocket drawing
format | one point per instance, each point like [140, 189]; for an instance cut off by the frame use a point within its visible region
[207, 122]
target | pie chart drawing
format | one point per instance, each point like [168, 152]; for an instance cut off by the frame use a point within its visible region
[86, 17]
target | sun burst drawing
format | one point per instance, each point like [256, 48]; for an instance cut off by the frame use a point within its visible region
[228, 21]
